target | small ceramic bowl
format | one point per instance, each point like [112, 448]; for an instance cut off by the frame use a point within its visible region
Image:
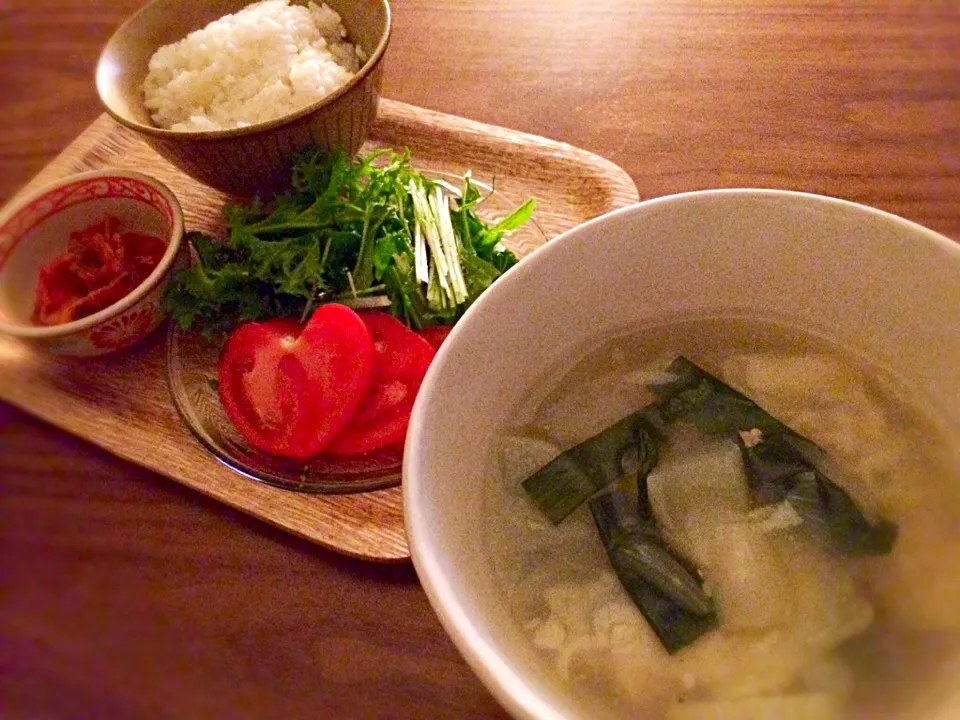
[242, 161]
[36, 229]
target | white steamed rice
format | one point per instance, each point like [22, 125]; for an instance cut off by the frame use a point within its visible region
[264, 61]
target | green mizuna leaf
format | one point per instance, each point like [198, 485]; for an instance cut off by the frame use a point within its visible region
[346, 228]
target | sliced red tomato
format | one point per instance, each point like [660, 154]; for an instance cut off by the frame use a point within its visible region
[436, 334]
[402, 358]
[380, 398]
[388, 428]
[289, 389]
[400, 352]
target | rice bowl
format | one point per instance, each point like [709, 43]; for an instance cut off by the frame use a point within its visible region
[255, 158]
[266, 60]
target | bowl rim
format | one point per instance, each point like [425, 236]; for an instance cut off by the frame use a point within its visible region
[101, 78]
[503, 679]
[163, 267]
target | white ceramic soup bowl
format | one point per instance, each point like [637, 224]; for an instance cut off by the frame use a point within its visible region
[880, 286]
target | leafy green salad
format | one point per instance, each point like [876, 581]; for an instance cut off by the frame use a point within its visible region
[367, 232]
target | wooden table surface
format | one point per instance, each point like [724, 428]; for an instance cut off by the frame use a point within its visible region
[123, 595]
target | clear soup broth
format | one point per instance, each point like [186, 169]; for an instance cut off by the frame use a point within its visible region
[804, 632]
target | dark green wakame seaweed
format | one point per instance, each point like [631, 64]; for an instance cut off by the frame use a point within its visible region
[782, 466]
[788, 467]
[691, 393]
[630, 544]
[669, 596]
[567, 481]
[774, 464]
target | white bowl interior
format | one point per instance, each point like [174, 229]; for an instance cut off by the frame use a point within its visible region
[49, 238]
[884, 288]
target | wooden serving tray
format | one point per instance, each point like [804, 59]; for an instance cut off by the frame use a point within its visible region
[121, 403]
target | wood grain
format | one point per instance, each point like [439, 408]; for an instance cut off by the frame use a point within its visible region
[126, 596]
[122, 403]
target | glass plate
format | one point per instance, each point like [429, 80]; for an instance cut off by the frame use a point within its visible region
[192, 370]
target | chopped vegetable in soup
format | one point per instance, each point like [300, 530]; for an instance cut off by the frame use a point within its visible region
[735, 528]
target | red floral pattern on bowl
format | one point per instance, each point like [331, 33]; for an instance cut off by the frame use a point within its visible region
[78, 191]
[125, 330]
[36, 228]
